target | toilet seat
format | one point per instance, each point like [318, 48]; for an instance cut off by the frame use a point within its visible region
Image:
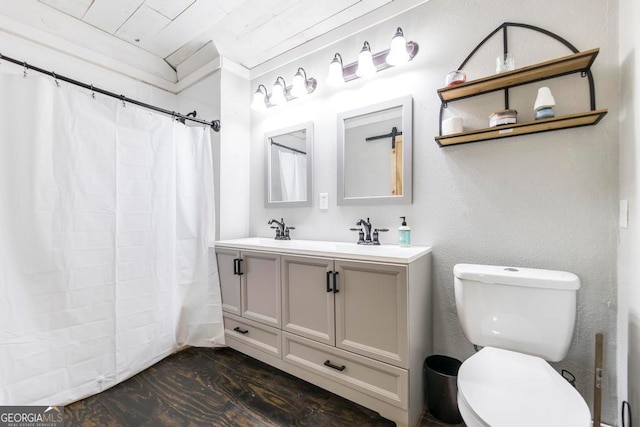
[502, 388]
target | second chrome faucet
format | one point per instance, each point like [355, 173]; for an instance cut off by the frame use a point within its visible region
[365, 236]
[282, 231]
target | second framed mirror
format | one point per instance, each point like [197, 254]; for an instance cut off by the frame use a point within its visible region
[375, 154]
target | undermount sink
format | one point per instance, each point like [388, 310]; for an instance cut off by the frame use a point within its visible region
[389, 253]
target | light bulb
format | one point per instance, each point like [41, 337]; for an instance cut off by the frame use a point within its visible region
[259, 99]
[336, 72]
[277, 92]
[398, 54]
[299, 84]
[365, 62]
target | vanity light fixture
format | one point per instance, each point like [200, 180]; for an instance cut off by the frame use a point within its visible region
[260, 98]
[277, 92]
[336, 71]
[299, 84]
[365, 62]
[399, 52]
[281, 93]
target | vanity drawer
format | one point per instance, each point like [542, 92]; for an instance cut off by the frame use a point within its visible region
[380, 380]
[253, 334]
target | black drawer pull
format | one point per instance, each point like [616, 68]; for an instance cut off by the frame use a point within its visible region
[335, 282]
[329, 281]
[336, 367]
[242, 331]
[235, 266]
[240, 260]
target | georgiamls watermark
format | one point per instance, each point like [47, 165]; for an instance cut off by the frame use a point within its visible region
[31, 416]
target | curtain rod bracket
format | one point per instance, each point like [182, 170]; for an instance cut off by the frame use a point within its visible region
[183, 119]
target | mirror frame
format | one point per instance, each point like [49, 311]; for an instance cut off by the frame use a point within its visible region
[406, 102]
[308, 126]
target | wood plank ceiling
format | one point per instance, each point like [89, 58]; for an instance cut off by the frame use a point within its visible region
[194, 32]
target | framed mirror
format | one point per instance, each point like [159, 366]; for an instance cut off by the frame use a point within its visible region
[288, 154]
[375, 154]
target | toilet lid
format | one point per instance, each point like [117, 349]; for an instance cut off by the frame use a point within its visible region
[504, 388]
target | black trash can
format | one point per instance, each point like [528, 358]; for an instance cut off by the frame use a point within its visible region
[442, 388]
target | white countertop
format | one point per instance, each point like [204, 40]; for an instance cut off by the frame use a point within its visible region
[382, 253]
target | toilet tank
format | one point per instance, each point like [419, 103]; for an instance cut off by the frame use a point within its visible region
[526, 310]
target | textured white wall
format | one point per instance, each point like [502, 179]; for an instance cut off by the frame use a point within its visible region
[629, 251]
[222, 95]
[234, 155]
[546, 201]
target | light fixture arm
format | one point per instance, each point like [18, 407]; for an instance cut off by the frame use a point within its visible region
[302, 72]
[262, 88]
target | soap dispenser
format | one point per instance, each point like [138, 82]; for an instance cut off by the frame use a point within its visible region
[404, 233]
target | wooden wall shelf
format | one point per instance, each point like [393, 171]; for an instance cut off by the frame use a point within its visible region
[544, 125]
[577, 62]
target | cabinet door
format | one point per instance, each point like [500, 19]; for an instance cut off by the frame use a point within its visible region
[229, 280]
[371, 310]
[261, 287]
[307, 298]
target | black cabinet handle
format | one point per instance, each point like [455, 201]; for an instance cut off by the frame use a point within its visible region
[336, 367]
[329, 281]
[240, 261]
[235, 266]
[242, 331]
[335, 282]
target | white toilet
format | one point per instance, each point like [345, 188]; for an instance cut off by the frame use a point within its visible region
[522, 317]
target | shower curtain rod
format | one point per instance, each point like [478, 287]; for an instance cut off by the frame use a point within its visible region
[215, 124]
[287, 147]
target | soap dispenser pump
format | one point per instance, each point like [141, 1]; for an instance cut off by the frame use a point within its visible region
[404, 233]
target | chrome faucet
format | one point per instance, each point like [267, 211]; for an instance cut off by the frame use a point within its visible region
[365, 237]
[282, 231]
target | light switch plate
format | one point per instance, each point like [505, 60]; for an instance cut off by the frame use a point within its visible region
[624, 213]
[324, 201]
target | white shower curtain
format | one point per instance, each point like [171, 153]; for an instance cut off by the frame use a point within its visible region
[106, 215]
[293, 175]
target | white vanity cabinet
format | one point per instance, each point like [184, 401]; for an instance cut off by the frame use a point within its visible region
[228, 260]
[356, 306]
[250, 290]
[355, 320]
[308, 307]
[250, 284]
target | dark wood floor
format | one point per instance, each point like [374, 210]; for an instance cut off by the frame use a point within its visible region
[219, 387]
